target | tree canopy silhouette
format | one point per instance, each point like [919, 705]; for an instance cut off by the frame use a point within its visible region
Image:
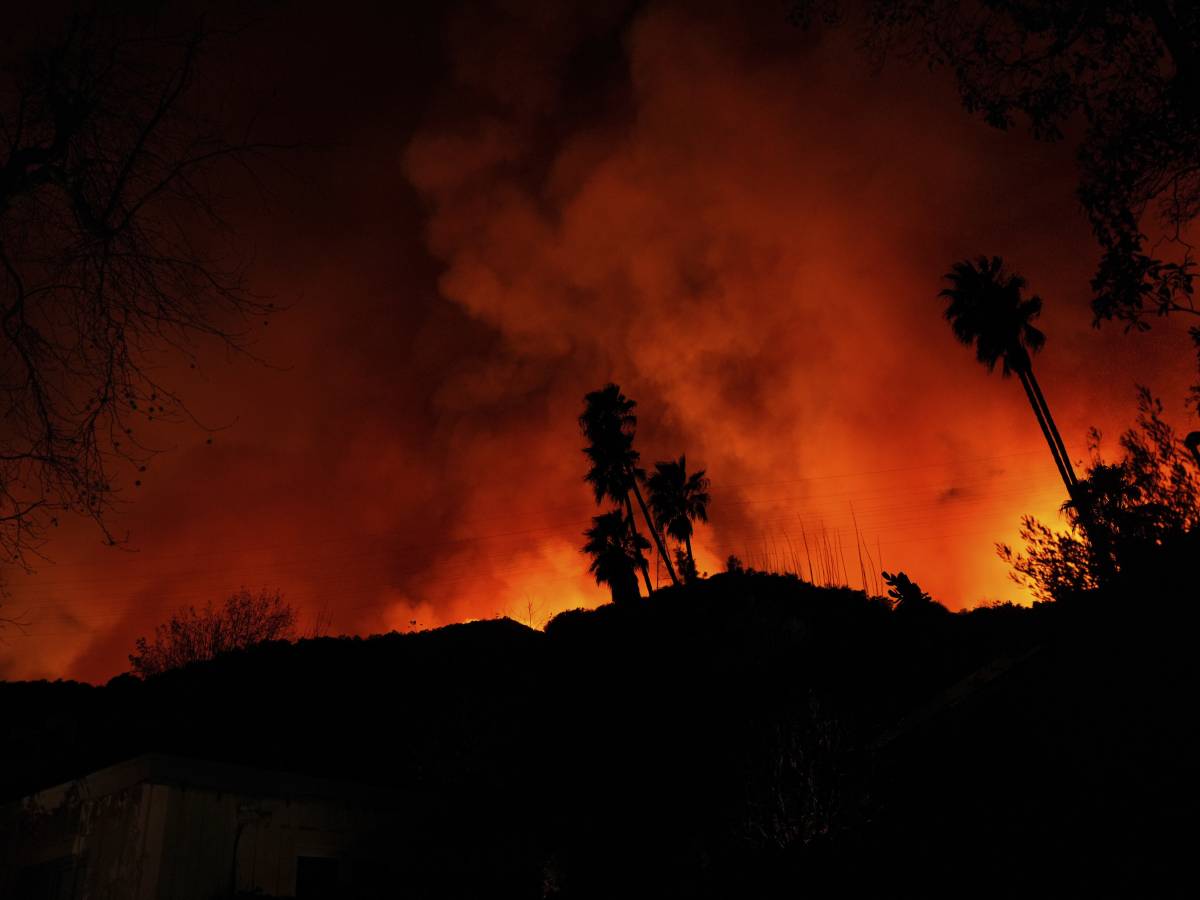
[1128, 70]
[616, 551]
[111, 253]
[189, 635]
[1142, 517]
[678, 499]
[986, 307]
[608, 423]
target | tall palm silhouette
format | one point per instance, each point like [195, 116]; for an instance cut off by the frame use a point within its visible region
[678, 499]
[987, 307]
[616, 551]
[608, 423]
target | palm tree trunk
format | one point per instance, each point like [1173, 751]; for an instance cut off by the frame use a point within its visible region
[1063, 471]
[1098, 538]
[1062, 448]
[633, 528]
[662, 550]
[687, 542]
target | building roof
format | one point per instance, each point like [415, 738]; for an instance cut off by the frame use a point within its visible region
[159, 768]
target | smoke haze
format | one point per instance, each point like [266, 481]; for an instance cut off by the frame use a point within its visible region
[736, 221]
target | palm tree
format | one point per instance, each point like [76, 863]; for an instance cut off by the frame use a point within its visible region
[616, 551]
[608, 423]
[677, 500]
[987, 308]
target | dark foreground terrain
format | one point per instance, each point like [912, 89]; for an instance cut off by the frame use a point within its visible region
[749, 735]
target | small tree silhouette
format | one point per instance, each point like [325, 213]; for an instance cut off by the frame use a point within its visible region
[677, 500]
[906, 594]
[190, 635]
[617, 552]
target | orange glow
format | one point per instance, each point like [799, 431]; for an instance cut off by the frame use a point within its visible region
[745, 232]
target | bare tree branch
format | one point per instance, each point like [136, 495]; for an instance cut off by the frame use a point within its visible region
[107, 214]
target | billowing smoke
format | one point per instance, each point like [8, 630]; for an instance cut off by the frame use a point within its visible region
[736, 221]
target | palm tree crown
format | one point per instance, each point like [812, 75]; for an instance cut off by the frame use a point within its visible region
[677, 498]
[986, 308]
[617, 552]
[608, 422]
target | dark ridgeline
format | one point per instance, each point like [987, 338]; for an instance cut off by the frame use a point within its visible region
[747, 735]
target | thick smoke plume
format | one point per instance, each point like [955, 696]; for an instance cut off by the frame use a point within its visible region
[738, 222]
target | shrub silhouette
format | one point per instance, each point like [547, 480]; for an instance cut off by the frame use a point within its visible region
[906, 595]
[189, 635]
[1141, 514]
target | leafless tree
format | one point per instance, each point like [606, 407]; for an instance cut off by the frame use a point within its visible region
[190, 635]
[113, 252]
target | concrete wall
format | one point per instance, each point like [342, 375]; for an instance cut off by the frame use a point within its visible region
[145, 833]
[77, 845]
[212, 839]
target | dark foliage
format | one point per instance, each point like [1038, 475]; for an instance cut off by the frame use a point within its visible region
[1135, 520]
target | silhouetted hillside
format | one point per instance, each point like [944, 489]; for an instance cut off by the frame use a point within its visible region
[738, 736]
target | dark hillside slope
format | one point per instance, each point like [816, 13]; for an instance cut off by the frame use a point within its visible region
[749, 735]
[1070, 775]
[714, 733]
[382, 706]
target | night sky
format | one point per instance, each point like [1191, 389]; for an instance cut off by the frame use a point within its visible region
[501, 206]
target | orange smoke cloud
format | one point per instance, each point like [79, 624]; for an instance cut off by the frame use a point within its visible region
[738, 223]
